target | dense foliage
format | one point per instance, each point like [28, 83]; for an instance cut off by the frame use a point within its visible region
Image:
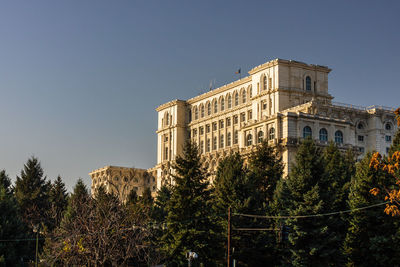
[323, 213]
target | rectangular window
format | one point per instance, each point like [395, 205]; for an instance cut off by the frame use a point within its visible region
[388, 138]
[194, 132]
[165, 138]
[236, 137]
[264, 105]
[201, 147]
[361, 138]
[208, 145]
[250, 114]
[214, 126]
[228, 122]
[201, 130]
[242, 117]
[221, 124]
[235, 119]
[228, 139]
[214, 143]
[207, 128]
[362, 150]
[221, 141]
[387, 150]
[166, 153]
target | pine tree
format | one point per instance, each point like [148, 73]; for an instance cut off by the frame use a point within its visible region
[58, 198]
[11, 226]
[79, 196]
[266, 169]
[373, 237]
[189, 225]
[338, 170]
[301, 194]
[31, 192]
[5, 182]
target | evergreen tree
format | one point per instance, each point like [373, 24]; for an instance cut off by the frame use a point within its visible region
[338, 170]
[5, 182]
[11, 226]
[32, 193]
[58, 198]
[160, 203]
[79, 196]
[266, 169]
[373, 237]
[301, 194]
[189, 225]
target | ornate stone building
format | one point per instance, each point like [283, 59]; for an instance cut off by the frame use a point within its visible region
[121, 180]
[281, 101]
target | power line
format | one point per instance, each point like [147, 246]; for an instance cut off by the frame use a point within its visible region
[309, 215]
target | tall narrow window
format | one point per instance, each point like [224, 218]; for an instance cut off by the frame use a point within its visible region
[271, 133]
[307, 132]
[222, 104]
[308, 83]
[264, 83]
[196, 113]
[229, 101]
[214, 143]
[235, 137]
[208, 145]
[221, 141]
[250, 93]
[215, 107]
[166, 153]
[338, 137]
[244, 96]
[201, 147]
[202, 111]
[323, 135]
[228, 139]
[249, 139]
[208, 109]
[236, 99]
[260, 136]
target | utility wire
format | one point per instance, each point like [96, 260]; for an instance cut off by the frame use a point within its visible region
[309, 215]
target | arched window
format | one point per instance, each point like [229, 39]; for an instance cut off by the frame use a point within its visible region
[307, 132]
[222, 104]
[323, 135]
[360, 126]
[388, 126]
[250, 92]
[308, 83]
[196, 113]
[215, 106]
[260, 136]
[249, 139]
[264, 83]
[229, 101]
[244, 96]
[202, 111]
[236, 99]
[339, 137]
[208, 109]
[271, 133]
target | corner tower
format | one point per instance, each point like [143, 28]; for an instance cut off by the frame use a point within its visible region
[172, 134]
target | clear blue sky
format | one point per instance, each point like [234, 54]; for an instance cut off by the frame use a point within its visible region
[80, 80]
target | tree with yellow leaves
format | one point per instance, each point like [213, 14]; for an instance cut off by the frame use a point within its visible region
[391, 166]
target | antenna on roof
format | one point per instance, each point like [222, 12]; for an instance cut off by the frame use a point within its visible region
[212, 83]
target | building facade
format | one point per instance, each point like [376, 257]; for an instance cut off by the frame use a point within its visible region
[122, 180]
[281, 101]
